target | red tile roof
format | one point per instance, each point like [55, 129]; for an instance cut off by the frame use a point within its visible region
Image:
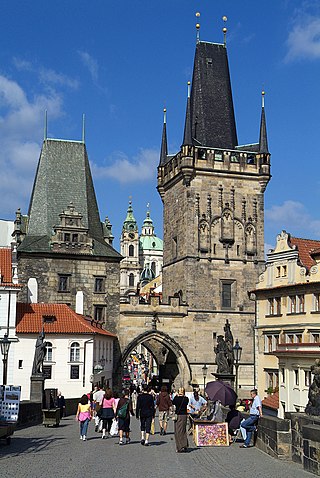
[305, 248]
[6, 265]
[30, 320]
[271, 401]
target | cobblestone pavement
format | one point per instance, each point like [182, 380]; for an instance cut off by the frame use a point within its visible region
[58, 452]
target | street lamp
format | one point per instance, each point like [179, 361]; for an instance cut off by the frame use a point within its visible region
[237, 350]
[5, 345]
[204, 374]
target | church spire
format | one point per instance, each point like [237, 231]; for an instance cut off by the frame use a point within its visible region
[130, 223]
[164, 143]
[263, 140]
[187, 136]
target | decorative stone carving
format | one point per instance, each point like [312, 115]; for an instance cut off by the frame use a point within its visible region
[224, 351]
[313, 406]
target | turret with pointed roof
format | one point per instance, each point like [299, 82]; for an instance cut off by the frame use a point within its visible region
[164, 142]
[263, 140]
[66, 248]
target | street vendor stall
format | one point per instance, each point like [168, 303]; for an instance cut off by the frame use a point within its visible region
[9, 410]
[209, 433]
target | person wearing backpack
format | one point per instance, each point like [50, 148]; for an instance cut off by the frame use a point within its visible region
[123, 412]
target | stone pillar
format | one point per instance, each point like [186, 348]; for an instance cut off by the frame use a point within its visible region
[36, 388]
[228, 378]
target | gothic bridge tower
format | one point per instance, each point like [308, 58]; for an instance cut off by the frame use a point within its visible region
[213, 200]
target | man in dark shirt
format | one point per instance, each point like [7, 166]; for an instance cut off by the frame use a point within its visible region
[145, 411]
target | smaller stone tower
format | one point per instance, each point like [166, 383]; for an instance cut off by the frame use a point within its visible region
[129, 244]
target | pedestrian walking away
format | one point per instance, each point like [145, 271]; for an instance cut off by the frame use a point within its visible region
[107, 412]
[84, 415]
[163, 403]
[124, 410]
[250, 423]
[97, 396]
[145, 410]
[180, 402]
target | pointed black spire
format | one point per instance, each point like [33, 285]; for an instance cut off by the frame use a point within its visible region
[187, 136]
[164, 143]
[263, 140]
[212, 114]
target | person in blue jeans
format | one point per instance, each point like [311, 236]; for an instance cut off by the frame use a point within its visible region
[255, 413]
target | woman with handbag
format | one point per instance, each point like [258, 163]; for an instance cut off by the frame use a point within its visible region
[107, 412]
[180, 402]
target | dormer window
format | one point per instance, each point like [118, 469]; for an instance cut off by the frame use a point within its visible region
[48, 319]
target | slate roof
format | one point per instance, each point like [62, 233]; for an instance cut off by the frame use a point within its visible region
[305, 247]
[29, 320]
[212, 114]
[63, 176]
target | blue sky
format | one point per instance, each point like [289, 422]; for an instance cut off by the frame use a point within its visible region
[120, 62]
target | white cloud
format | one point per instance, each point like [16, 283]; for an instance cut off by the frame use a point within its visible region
[46, 76]
[21, 124]
[90, 63]
[294, 218]
[141, 168]
[52, 77]
[304, 39]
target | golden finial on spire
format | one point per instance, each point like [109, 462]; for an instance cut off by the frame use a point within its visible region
[262, 97]
[189, 88]
[164, 114]
[198, 27]
[224, 18]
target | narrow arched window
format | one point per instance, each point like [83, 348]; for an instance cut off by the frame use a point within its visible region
[75, 352]
[131, 250]
[131, 280]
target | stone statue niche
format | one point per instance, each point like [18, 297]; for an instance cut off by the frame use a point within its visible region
[224, 351]
[313, 406]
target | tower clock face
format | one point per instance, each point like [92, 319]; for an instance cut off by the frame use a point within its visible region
[131, 235]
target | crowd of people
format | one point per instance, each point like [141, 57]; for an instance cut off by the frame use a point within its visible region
[112, 414]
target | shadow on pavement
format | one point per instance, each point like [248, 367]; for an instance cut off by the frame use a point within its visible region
[26, 445]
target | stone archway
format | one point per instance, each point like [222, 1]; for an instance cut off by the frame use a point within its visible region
[176, 368]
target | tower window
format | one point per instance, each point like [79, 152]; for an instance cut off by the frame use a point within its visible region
[226, 298]
[67, 237]
[131, 250]
[75, 238]
[175, 247]
[99, 284]
[131, 280]
[153, 267]
[64, 283]
[99, 313]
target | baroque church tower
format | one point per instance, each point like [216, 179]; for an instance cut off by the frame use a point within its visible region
[213, 199]
[129, 267]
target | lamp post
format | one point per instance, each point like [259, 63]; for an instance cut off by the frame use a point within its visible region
[5, 345]
[237, 350]
[204, 374]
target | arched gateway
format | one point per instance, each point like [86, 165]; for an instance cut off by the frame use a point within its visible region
[172, 362]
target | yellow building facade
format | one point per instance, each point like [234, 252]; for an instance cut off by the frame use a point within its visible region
[287, 330]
